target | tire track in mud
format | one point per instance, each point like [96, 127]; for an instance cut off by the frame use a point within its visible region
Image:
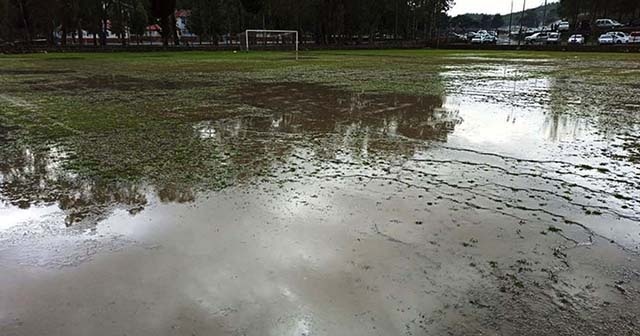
[560, 199]
[506, 171]
[567, 199]
[453, 199]
[512, 158]
[445, 196]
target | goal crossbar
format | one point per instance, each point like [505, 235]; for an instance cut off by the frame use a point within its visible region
[246, 36]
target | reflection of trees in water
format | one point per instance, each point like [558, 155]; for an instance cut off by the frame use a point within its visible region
[564, 120]
[339, 120]
[176, 193]
[580, 107]
[593, 105]
[560, 127]
[33, 176]
[90, 175]
[313, 108]
[38, 176]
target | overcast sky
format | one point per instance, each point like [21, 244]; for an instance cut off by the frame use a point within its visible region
[492, 6]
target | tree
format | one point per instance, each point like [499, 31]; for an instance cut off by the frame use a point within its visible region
[139, 17]
[497, 21]
[205, 18]
[23, 19]
[485, 21]
[530, 19]
[4, 20]
[464, 21]
[119, 14]
[67, 13]
[328, 21]
[253, 6]
[622, 10]
[164, 10]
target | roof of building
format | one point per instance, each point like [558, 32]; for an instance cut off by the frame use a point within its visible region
[183, 13]
[154, 27]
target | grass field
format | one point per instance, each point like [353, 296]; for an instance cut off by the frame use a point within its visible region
[358, 192]
[58, 96]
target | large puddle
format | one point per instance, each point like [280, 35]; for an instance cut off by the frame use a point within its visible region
[316, 209]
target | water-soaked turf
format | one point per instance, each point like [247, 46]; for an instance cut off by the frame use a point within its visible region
[349, 193]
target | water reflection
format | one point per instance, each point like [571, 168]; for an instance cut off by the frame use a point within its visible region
[300, 107]
[87, 177]
[504, 111]
[559, 127]
[37, 176]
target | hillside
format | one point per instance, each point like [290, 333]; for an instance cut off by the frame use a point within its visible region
[532, 17]
[551, 15]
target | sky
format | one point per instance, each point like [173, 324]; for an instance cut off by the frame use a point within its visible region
[492, 6]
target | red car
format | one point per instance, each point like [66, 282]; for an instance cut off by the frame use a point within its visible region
[634, 37]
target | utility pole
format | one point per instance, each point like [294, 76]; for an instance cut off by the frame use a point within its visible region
[524, 5]
[510, 21]
[544, 13]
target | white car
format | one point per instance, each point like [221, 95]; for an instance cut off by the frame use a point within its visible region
[607, 23]
[576, 39]
[554, 38]
[537, 37]
[483, 39]
[613, 38]
[563, 25]
[634, 37]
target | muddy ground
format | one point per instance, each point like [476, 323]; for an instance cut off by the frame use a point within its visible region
[350, 193]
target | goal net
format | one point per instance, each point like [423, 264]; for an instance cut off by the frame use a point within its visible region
[265, 39]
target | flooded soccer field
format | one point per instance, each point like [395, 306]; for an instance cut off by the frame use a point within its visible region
[348, 193]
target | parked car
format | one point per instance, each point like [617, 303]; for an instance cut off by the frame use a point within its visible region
[613, 38]
[576, 39]
[537, 37]
[634, 37]
[483, 39]
[563, 26]
[607, 24]
[453, 37]
[554, 38]
[634, 23]
[620, 37]
[605, 38]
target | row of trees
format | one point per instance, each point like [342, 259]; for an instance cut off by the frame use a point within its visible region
[533, 17]
[28, 20]
[589, 10]
[329, 21]
[484, 21]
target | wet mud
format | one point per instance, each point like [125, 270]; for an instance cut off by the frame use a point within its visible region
[505, 204]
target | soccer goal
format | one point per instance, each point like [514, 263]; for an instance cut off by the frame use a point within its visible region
[272, 38]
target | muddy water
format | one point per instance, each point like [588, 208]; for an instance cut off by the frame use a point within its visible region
[506, 205]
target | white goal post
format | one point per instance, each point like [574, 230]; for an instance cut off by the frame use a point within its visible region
[268, 31]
